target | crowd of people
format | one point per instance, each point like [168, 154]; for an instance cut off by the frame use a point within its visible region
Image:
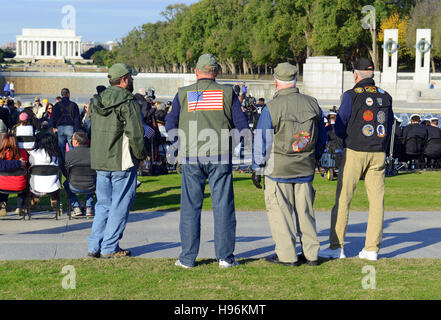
[111, 137]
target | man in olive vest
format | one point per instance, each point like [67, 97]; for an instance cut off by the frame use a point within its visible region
[288, 159]
[206, 110]
[364, 121]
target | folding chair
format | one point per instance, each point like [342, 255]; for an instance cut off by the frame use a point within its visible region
[45, 170]
[79, 170]
[26, 142]
[15, 173]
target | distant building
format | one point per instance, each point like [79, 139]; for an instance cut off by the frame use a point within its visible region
[10, 45]
[86, 45]
[48, 44]
[110, 45]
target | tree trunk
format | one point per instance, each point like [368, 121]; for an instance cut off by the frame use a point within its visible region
[245, 67]
[232, 66]
[433, 66]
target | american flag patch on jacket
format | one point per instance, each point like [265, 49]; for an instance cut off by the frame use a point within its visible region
[205, 100]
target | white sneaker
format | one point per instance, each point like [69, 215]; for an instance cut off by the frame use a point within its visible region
[225, 264]
[369, 255]
[178, 263]
[76, 212]
[332, 253]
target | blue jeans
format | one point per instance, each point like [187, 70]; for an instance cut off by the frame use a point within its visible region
[115, 192]
[72, 194]
[64, 134]
[220, 179]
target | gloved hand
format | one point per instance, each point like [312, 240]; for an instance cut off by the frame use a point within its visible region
[256, 180]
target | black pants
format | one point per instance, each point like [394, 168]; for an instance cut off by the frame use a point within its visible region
[21, 198]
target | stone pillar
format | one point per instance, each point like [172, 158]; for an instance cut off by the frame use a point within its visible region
[422, 59]
[390, 58]
[323, 78]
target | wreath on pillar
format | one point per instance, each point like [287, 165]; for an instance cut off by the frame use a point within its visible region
[423, 46]
[391, 46]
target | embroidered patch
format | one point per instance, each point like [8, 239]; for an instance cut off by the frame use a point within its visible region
[370, 102]
[380, 101]
[381, 117]
[368, 116]
[368, 130]
[205, 100]
[302, 140]
[370, 89]
[359, 90]
[381, 131]
[380, 90]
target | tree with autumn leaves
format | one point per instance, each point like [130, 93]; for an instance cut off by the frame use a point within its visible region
[251, 36]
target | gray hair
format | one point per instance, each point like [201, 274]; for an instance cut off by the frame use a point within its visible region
[364, 74]
[287, 83]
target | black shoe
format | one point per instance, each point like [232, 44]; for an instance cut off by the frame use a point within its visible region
[275, 259]
[93, 254]
[301, 257]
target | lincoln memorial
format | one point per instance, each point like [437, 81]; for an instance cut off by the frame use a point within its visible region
[48, 44]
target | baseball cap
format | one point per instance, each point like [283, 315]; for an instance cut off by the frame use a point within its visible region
[363, 64]
[118, 70]
[285, 72]
[207, 62]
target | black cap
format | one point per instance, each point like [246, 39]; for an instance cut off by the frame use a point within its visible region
[363, 64]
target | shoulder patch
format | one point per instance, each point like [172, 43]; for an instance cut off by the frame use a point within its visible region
[370, 89]
[359, 90]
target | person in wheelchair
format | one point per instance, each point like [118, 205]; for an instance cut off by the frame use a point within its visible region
[45, 152]
[414, 139]
[433, 143]
[335, 144]
[10, 151]
[79, 157]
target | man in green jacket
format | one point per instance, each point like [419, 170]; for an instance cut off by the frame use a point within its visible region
[117, 146]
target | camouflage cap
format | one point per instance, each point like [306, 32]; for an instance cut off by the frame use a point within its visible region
[118, 70]
[285, 72]
[207, 62]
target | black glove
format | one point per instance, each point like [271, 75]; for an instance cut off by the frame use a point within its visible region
[256, 180]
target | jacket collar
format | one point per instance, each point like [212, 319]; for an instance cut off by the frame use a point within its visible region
[286, 91]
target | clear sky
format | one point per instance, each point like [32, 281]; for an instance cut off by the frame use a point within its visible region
[95, 20]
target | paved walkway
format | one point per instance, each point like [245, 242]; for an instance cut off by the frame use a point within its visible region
[156, 234]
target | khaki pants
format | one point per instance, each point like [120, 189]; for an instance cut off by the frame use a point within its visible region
[355, 165]
[282, 200]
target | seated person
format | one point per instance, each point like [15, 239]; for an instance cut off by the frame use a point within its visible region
[412, 131]
[24, 129]
[10, 151]
[45, 152]
[79, 155]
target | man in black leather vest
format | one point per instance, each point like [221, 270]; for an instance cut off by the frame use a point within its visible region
[364, 121]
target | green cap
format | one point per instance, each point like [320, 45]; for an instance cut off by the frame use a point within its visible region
[285, 72]
[118, 70]
[207, 62]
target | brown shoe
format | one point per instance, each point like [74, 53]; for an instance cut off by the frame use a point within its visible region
[118, 254]
[3, 209]
[34, 201]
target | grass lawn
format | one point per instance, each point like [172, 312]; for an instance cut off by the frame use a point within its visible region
[154, 279]
[405, 192]
[254, 279]
[418, 191]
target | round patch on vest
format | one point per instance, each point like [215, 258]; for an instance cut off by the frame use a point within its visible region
[381, 131]
[368, 130]
[359, 90]
[381, 117]
[302, 140]
[370, 102]
[368, 116]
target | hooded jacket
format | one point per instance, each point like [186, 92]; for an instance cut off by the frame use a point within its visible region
[117, 136]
